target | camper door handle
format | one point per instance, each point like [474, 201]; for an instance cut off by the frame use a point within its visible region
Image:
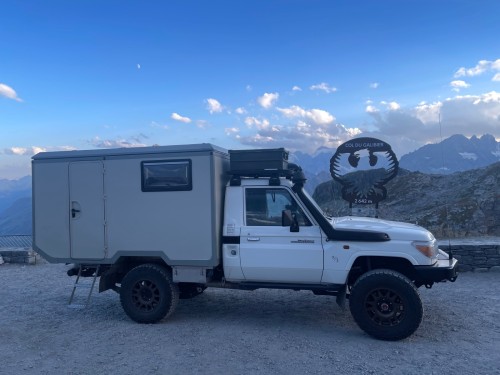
[253, 239]
[73, 212]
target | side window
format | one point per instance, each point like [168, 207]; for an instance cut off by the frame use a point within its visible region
[264, 207]
[171, 175]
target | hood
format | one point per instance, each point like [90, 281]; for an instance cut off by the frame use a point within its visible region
[395, 229]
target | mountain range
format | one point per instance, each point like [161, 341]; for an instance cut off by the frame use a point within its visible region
[454, 154]
[457, 154]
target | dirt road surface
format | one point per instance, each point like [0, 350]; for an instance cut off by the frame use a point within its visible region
[239, 332]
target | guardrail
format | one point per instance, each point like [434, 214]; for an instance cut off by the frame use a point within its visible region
[16, 240]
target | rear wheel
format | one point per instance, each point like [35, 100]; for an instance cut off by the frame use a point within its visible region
[386, 305]
[147, 293]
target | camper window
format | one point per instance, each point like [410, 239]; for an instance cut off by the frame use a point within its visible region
[171, 175]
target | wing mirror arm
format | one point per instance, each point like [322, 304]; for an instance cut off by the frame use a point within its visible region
[289, 220]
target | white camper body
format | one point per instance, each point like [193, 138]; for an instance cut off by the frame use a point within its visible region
[159, 224]
[96, 206]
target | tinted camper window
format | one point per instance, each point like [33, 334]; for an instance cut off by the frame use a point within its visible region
[172, 175]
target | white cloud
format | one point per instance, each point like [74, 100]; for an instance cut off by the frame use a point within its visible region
[253, 122]
[268, 99]
[468, 115]
[458, 84]
[428, 113]
[213, 105]
[320, 116]
[371, 109]
[177, 117]
[248, 88]
[9, 92]
[489, 97]
[351, 132]
[116, 143]
[62, 148]
[496, 77]
[303, 136]
[240, 110]
[16, 151]
[374, 85]
[393, 106]
[304, 130]
[317, 116]
[296, 88]
[231, 131]
[481, 67]
[293, 111]
[33, 150]
[323, 87]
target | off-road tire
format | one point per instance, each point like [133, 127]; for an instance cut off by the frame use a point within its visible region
[386, 305]
[147, 293]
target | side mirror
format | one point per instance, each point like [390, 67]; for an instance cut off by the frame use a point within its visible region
[289, 220]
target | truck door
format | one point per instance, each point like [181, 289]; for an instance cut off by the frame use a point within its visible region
[86, 205]
[270, 251]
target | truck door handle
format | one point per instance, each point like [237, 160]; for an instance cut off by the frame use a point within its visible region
[253, 239]
[73, 212]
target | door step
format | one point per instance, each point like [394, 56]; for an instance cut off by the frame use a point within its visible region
[83, 285]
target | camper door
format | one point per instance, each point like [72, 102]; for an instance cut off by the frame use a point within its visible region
[86, 205]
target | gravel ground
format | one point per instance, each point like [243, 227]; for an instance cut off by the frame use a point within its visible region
[239, 332]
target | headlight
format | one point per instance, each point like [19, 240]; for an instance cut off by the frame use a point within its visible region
[428, 248]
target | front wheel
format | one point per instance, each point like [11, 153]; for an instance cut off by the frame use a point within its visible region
[147, 293]
[386, 305]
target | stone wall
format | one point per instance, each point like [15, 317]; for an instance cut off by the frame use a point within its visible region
[18, 255]
[480, 255]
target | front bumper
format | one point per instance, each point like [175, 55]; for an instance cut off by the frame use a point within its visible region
[442, 270]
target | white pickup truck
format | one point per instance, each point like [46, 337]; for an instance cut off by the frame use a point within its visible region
[159, 224]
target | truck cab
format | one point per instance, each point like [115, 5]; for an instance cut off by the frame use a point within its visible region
[274, 232]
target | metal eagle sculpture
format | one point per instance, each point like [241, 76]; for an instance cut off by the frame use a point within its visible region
[364, 186]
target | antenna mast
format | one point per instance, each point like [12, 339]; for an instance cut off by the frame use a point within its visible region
[450, 254]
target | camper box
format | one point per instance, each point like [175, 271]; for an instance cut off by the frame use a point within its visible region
[96, 206]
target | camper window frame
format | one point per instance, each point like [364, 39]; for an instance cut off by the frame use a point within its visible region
[151, 188]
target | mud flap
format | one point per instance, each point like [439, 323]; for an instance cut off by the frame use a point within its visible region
[341, 297]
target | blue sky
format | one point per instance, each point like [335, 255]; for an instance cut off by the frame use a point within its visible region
[297, 74]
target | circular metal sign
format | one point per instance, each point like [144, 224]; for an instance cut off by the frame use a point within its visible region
[363, 166]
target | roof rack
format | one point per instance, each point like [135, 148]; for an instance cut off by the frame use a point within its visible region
[293, 173]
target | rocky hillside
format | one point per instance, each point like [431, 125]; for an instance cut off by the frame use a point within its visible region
[462, 204]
